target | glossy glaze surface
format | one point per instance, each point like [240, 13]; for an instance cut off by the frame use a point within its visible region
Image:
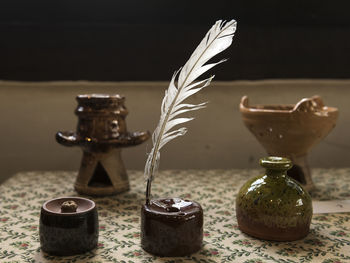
[171, 227]
[71, 233]
[274, 206]
[101, 124]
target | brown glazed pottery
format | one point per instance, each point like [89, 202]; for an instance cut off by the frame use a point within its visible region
[101, 133]
[274, 206]
[290, 130]
[68, 226]
[171, 227]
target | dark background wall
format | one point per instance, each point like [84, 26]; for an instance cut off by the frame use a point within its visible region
[147, 40]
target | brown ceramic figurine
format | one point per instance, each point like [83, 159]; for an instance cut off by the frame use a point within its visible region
[290, 130]
[101, 133]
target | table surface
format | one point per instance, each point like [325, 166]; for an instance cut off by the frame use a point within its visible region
[21, 198]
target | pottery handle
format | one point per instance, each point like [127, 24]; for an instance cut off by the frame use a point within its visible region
[318, 100]
[312, 104]
[67, 138]
[244, 102]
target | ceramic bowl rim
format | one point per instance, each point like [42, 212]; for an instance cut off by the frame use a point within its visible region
[255, 109]
[247, 108]
[44, 206]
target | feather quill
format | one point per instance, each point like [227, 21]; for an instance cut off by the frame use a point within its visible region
[217, 39]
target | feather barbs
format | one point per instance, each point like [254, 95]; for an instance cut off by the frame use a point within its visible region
[217, 39]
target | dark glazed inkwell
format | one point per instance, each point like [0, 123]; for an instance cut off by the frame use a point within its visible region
[68, 226]
[172, 227]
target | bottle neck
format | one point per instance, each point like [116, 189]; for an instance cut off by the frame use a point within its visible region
[275, 172]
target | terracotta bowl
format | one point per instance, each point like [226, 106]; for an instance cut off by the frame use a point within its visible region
[290, 130]
[68, 233]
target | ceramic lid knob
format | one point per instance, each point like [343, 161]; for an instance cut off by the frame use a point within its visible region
[69, 207]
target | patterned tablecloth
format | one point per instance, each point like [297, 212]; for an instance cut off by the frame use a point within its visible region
[119, 241]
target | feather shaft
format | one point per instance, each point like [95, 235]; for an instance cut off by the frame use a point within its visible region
[217, 39]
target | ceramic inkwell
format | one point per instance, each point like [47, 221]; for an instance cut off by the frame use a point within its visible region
[68, 226]
[273, 206]
[173, 226]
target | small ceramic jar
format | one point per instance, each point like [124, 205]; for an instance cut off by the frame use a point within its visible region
[68, 226]
[171, 227]
[274, 206]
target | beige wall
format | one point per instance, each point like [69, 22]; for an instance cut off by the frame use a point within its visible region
[31, 113]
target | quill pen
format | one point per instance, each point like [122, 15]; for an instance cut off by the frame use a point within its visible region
[217, 39]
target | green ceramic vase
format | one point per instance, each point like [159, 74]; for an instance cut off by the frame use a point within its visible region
[274, 206]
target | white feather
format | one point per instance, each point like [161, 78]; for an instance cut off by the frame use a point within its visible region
[217, 39]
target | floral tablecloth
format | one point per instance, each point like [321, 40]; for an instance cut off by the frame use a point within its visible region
[119, 241]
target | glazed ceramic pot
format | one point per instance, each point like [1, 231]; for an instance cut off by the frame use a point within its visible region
[101, 133]
[171, 227]
[290, 130]
[68, 226]
[274, 206]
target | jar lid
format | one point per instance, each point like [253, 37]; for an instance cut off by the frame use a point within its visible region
[54, 206]
[276, 163]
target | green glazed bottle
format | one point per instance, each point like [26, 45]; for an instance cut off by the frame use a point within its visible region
[274, 206]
